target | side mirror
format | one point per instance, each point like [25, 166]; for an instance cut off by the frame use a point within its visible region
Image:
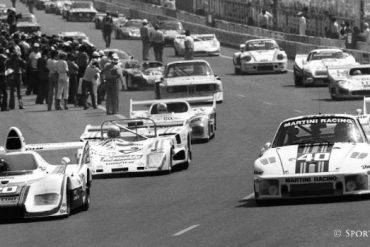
[65, 161]
[265, 148]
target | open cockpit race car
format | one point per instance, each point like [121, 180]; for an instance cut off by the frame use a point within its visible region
[312, 68]
[204, 44]
[349, 82]
[323, 155]
[136, 146]
[199, 113]
[31, 187]
[143, 75]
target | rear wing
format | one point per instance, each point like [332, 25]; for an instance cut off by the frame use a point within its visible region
[148, 103]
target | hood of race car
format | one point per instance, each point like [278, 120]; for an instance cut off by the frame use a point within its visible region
[313, 158]
[262, 55]
[324, 63]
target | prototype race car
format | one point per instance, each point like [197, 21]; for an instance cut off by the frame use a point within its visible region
[30, 187]
[28, 24]
[187, 79]
[145, 74]
[204, 44]
[81, 11]
[349, 82]
[136, 145]
[170, 29]
[313, 68]
[129, 29]
[117, 19]
[319, 155]
[260, 56]
[198, 113]
[75, 36]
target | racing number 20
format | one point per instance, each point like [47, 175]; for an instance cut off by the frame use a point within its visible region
[314, 157]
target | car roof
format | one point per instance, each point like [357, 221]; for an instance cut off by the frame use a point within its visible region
[327, 50]
[321, 116]
[188, 61]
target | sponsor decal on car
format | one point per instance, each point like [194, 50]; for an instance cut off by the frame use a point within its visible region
[313, 179]
[315, 121]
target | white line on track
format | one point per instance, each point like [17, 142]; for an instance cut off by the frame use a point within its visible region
[185, 230]
[267, 103]
[241, 95]
[248, 197]
[299, 111]
[117, 115]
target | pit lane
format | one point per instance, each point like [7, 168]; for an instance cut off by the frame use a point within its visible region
[154, 210]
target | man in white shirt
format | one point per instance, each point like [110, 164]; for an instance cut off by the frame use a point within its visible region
[33, 71]
[302, 24]
[63, 81]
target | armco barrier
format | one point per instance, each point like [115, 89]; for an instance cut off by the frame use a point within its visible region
[234, 39]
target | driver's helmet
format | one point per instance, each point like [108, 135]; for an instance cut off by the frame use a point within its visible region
[113, 132]
[162, 108]
[357, 72]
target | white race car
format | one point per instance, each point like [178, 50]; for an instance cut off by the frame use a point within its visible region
[204, 44]
[81, 11]
[198, 113]
[30, 187]
[188, 79]
[319, 155]
[312, 68]
[136, 145]
[260, 56]
[349, 81]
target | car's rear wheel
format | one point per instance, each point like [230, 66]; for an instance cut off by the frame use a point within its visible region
[170, 164]
[297, 80]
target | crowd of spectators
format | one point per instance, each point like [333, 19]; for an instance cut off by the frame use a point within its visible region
[59, 71]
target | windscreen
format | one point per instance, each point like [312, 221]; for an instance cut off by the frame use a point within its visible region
[17, 162]
[260, 45]
[325, 55]
[188, 69]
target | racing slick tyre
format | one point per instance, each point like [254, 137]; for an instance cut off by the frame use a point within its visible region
[237, 71]
[297, 80]
[169, 171]
[86, 204]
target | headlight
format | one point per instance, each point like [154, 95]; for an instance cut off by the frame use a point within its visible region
[155, 159]
[46, 199]
[197, 119]
[280, 56]
[247, 58]
[344, 84]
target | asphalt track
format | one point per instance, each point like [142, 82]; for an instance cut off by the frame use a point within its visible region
[211, 203]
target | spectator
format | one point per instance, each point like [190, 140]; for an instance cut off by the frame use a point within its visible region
[107, 29]
[335, 28]
[92, 73]
[366, 33]
[157, 41]
[43, 78]
[82, 60]
[12, 20]
[17, 65]
[63, 81]
[264, 19]
[73, 79]
[53, 79]
[3, 91]
[112, 74]
[31, 4]
[14, 3]
[250, 14]
[348, 35]
[34, 56]
[302, 24]
[144, 33]
[189, 46]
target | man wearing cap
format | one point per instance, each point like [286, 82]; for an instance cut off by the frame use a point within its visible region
[34, 56]
[107, 29]
[112, 74]
[144, 33]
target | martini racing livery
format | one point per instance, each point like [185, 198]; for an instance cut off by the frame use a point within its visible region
[135, 146]
[204, 44]
[349, 82]
[260, 56]
[30, 187]
[188, 79]
[312, 68]
[198, 113]
[320, 155]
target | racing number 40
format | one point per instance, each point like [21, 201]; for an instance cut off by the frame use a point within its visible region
[314, 157]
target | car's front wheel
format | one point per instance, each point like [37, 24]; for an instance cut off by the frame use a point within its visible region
[236, 70]
[298, 80]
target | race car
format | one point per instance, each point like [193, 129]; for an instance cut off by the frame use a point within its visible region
[30, 187]
[320, 155]
[118, 18]
[349, 82]
[198, 113]
[188, 79]
[204, 44]
[75, 36]
[81, 11]
[129, 29]
[136, 146]
[50, 6]
[63, 10]
[62, 5]
[40, 4]
[145, 74]
[28, 24]
[170, 29]
[126, 60]
[312, 68]
[260, 56]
